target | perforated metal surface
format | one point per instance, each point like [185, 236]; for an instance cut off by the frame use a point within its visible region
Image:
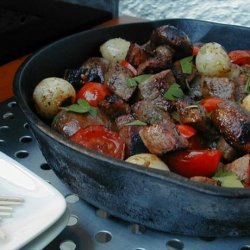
[90, 228]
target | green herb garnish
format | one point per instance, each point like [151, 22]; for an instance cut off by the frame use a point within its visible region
[82, 106]
[134, 81]
[247, 86]
[174, 92]
[187, 65]
[136, 123]
[227, 178]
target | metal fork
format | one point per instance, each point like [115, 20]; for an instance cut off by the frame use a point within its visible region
[6, 209]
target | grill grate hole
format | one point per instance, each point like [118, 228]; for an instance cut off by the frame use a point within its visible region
[174, 244]
[103, 237]
[22, 154]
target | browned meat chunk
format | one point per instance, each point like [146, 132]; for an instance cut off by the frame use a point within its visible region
[93, 70]
[134, 144]
[123, 120]
[173, 37]
[96, 68]
[218, 86]
[146, 111]
[160, 60]
[116, 79]
[113, 106]
[183, 79]
[136, 55]
[241, 167]
[233, 123]
[206, 180]
[155, 87]
[240, 83]
[67, 123]
[228, 153]
[162, 138]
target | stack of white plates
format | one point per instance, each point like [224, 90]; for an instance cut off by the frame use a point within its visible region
[42, 215]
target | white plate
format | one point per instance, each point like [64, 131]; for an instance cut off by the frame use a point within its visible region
[43, 205]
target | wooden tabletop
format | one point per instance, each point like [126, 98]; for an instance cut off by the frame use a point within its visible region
[8, 70]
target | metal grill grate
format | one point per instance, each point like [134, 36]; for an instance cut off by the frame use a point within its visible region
[90, 228]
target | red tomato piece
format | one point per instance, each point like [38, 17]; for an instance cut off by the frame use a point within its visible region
[186, 130]
[210, 103]
[127, 65]
[93, 92]
[240, 57]
[101, 139]
[191, 163]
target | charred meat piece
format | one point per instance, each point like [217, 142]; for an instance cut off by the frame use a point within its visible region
[195, 115]
[228, 152]
[95, 69]
[136, 55]
[218, 86]
[113, 106]
[162, 138]
[67, 123]
[161, 59]
[195, 90]
[147, 112]
[74, 76]
[155, 87]
[183, 79]
[116, 79]
[174, 38]
[134, 144]
[233, 123]
[240, 83]
[241, 167]
[206, 180]
[124, 120]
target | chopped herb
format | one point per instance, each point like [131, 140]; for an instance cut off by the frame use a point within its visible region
[247, 87]
[82, 106]
[187, 65]
[176, 116]
[136, 123]
[133, 82]
[227, 178]
[174, 92]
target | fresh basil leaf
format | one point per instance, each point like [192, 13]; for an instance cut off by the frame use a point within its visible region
[247, 86]
[174, 92]
[134, 81]
[187, 65]
[82, 106]
[136, 123]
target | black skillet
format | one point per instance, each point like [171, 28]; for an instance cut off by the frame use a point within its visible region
[162, 201]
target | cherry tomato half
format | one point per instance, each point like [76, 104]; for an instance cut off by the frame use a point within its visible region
[101, 139]
[93, 92]
[240, 57]
[130, 67]
[191, 163]
[210, 103]
[186, 130]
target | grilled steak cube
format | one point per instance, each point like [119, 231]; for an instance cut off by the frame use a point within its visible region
[147, 112]
[136, 55]
[218, 86]
[240, 83]
[161, 59]
[113, 106]
[155, 87]
[233, 123]
[162, 138]
[95, 69]
[116, 79]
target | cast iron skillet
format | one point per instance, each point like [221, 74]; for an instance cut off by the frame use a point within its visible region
[162, 201]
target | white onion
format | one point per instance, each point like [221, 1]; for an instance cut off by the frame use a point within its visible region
[148, 160]
[115, 49]
[50, 94]
[212, 60]
[246, 103]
